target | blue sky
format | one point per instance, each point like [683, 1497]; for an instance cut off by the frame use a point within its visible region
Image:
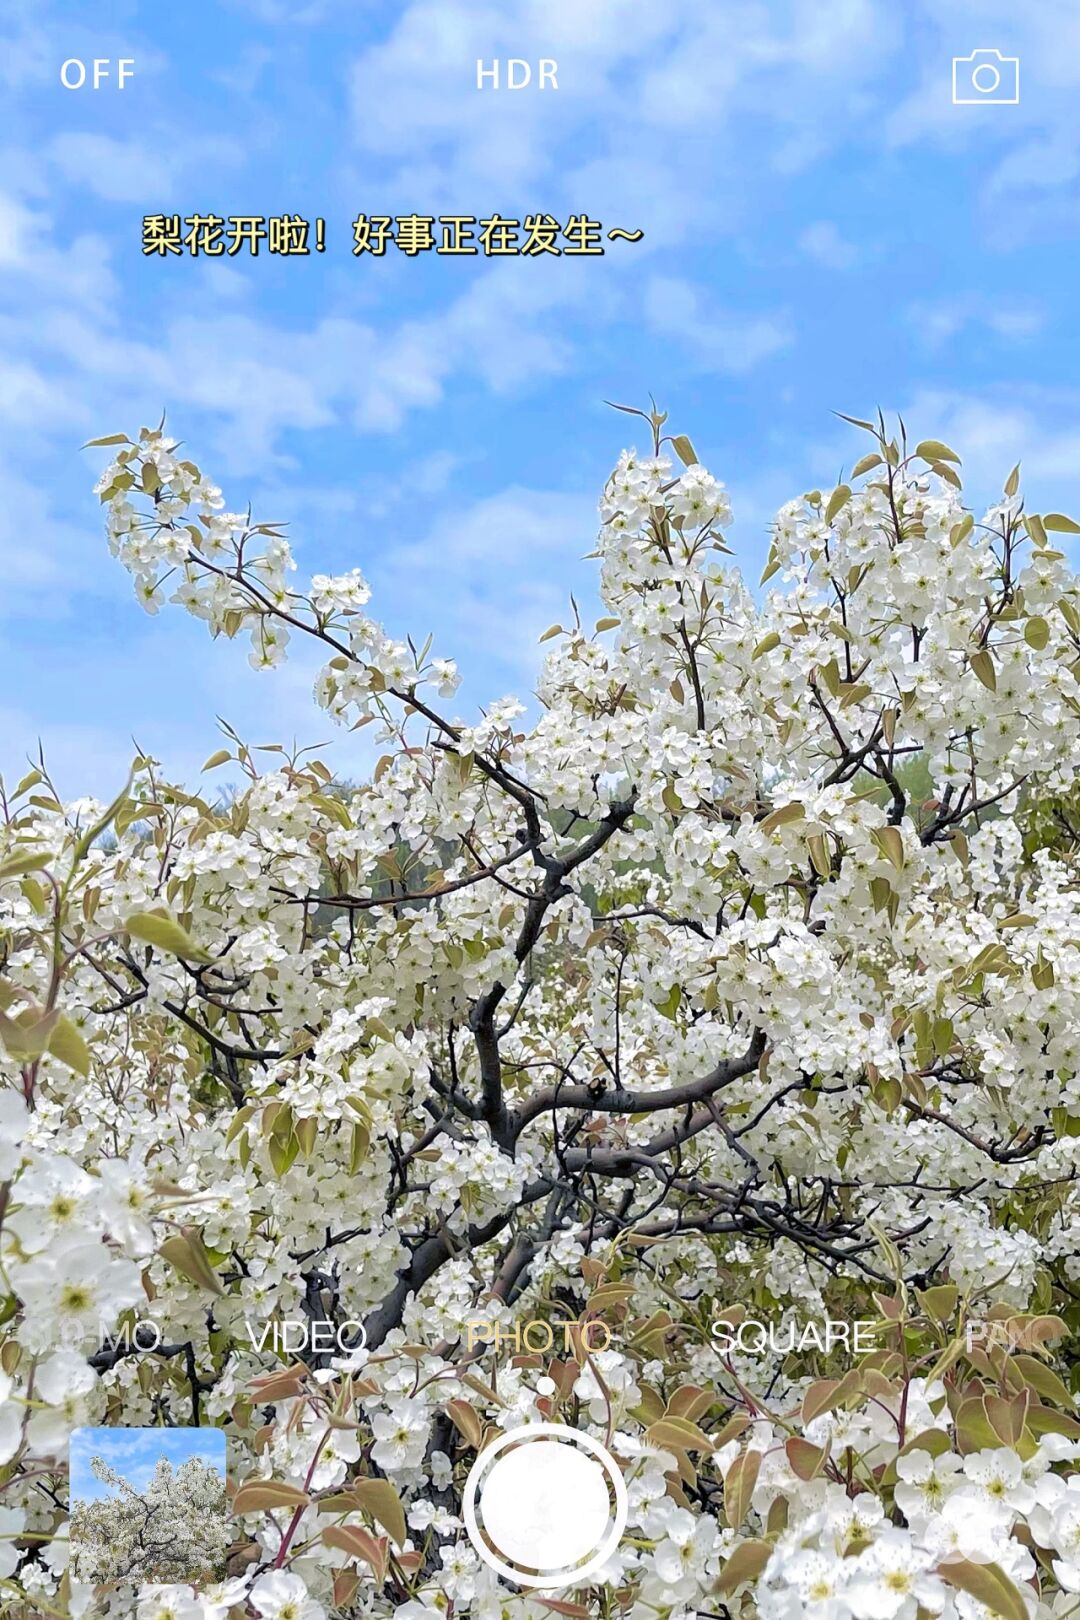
[824, 231]
[134, 1454]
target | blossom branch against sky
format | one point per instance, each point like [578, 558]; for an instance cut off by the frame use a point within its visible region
[777, 157]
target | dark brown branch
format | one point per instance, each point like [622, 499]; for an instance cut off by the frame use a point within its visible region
[723, 1074]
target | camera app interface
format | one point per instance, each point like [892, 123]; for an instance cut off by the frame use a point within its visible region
[539, 837]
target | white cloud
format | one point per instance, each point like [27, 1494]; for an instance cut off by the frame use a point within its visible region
[148, 169]
[713, 339]
[29, 398]
[824, 243]
[78, 275]
[493, 574]
[938, 322]
[1015, 323]
[998, 427]
[242, 76]
[44, 560]
[296, 13]
[81, 757]
[265, 381]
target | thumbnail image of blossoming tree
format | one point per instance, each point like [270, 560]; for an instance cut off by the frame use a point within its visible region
[175, 1529]
[745, 980]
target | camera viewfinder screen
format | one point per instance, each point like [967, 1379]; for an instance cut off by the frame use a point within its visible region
[539, 810]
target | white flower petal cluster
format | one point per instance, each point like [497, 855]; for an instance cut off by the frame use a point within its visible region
[742, 977]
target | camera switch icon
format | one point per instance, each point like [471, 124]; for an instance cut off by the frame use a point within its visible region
[985, 76]
[545, 1505]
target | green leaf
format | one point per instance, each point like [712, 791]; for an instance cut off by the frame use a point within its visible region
[33, 892]
[260, 1495]
[766, 644]
[865, 464]
[1042, 977]
[119, 486]
[974, 1431]
[186, 1253]
[110, 438]
[991, 959]
[684, 450]
[239, 1120]
[307, 1134]
[26, 1037]
[961, 530]
[936, 1441]
[856, 421]
[1043, 1380]
[745, 1563]
[96, 828]
[552, 630]
[830, 674]
[939, 1302]
[66, 1043]
[607, 623]
[806, 1460]
[739, 1482]
[781, 816]
[982, 667]
[217, 759]
[360, 1543]
[1012, 483]
[934, 450]
[837, 501]
[671, 1002]
[679, 1433]
[283, 1152]
[1060, 523]
[1037, 633]
[359, 1142]
[379, 1498]
[819, 1398]
[890, 843]
[333, 808]
[30, 860]
[466, 1421]
[1044, 1420]
[988, 1583]
[157, 928]
[820, 858]
[771, 567]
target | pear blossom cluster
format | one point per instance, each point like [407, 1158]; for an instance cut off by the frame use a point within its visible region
[741, 973]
